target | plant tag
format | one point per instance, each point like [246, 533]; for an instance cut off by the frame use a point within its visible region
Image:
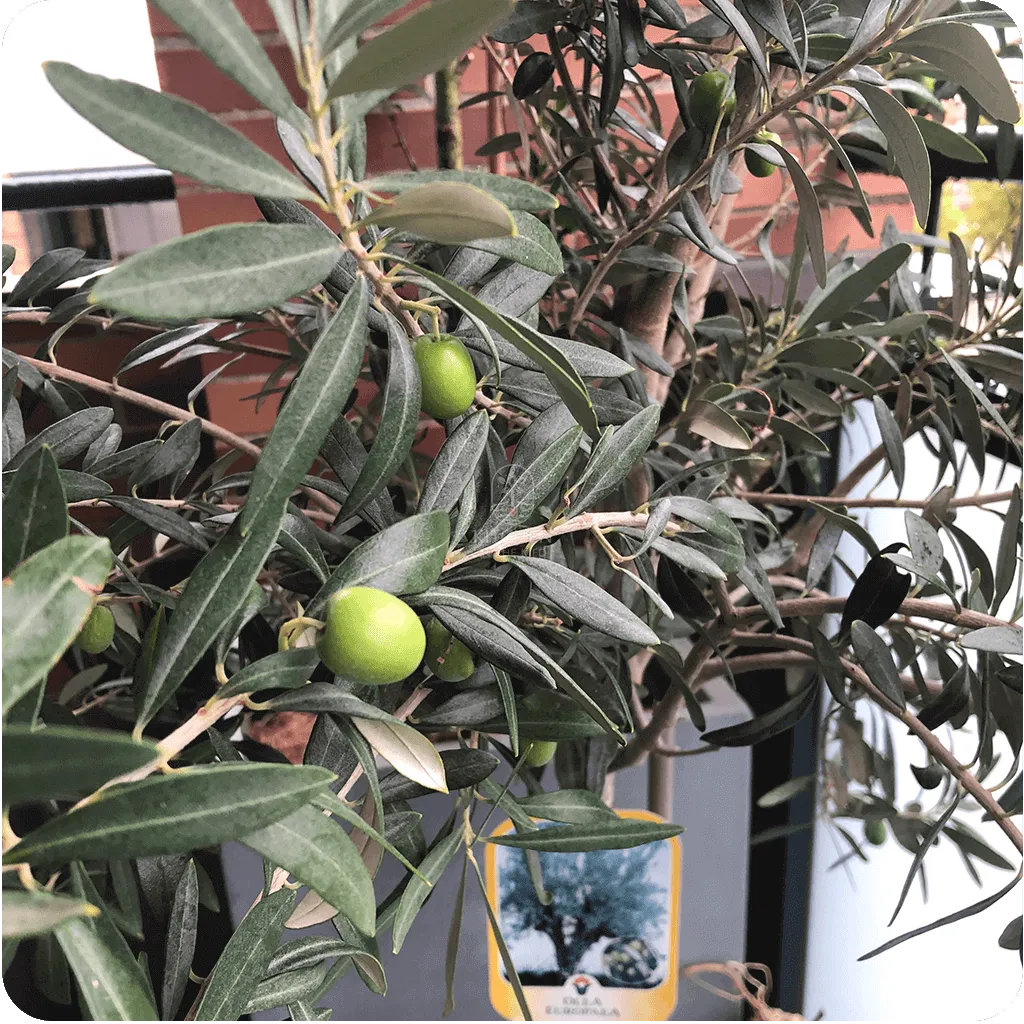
[607, 946]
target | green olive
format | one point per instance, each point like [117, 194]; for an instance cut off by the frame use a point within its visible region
[449, 659]
[539, 752]
[371, 637]
[97, 633]
[709, 94]
[874, 831]
[447, 375]
[756, 164]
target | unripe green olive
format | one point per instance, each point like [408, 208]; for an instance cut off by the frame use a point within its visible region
[539, 752]
[447, 375]
[709, 94]
[97, 633]
[449, 659]
[874, 831]
[756, 164]
[371, 637]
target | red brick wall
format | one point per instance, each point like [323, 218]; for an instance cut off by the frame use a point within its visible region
[186, 72]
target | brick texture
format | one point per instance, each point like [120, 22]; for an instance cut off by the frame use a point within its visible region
[185, 72]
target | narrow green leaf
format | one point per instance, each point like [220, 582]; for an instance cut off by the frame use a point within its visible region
[755, 579]
[327, 801]
[156, 347]
[452, 949]
[66, 438]
[506, 957]
[831, 668]
[173, 813]
[508, 701]
[181, 940]
[982, 399]
[451, 213]
[466, 708]
[705, 419]
[355, 18]
[892, 440]
[119, 464]
[63, 762]
[542, 350]
[960, 915]
[763, 727]
[36, 913]
[46, 601]
[397, 427]
[939, 138]
[847, 165]
[877, 662]
[967, 57]
[344, 452]
[284, 670]
[232, 268]
[160, 520]
[454, 465]
[602, 834]
[618, 451]
[514, 193]
[725, 11]
[47, 272]
[174, 458]
[531, 245]
[585, 600]
[316, 400]
[244, 960]
[82, 486]
[173, 134]
[324, 696]
[546, 715]
[573, 806]
[216, 27]
[998, 639]
[925, 543]
[286, 989]
[404, 558]
[786, 791]
[426, 40]
[771, 16]
[905, 144]
[34, 509]
[515, 508]
[809, 220]
[408, 751]
[317, 852]
[431, 868]
[462, 768]
[851, 291]
[107, 975]
[448, 604]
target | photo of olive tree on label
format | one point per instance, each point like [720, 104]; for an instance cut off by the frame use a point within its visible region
[608, 917]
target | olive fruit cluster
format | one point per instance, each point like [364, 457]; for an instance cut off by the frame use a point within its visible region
[447, 376]
[874, 831]
[540, 752]
[756, 164]
[374, 638]
[710, 95]
[98, 632]
[449, 659]
[371, 637]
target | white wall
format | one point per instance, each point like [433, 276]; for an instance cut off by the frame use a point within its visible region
[42, 133]
[954, 973]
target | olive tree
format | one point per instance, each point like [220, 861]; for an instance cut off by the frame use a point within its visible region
[666, 515]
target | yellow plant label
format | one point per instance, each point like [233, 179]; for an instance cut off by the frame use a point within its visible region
[606, 946]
